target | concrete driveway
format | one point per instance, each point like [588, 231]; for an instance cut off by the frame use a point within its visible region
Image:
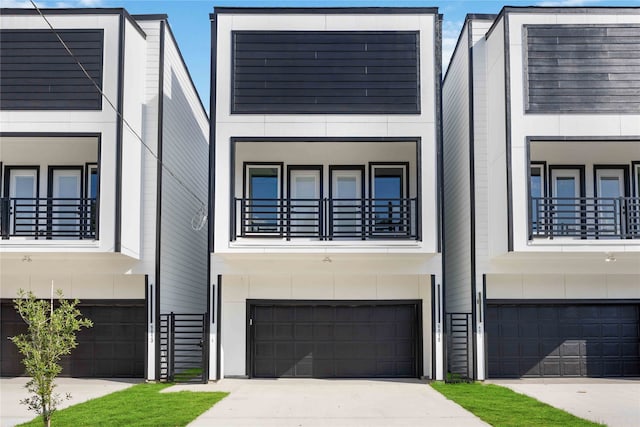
[614, 402]
[315, 402]
[12, 391]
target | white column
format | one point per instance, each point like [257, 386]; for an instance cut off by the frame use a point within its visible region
[479, 298]
[151, 326]
[213, 324]
[439, 320]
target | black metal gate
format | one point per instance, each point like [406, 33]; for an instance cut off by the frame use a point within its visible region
[183, 339]
[459, 345]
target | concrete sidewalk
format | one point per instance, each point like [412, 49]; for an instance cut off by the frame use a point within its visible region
[315, 402]
[614, 402]
[12, 390]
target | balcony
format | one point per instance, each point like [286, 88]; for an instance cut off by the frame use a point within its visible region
[326, 219]
[585, 217]
[48, 218]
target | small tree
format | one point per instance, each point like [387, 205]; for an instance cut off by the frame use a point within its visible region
[51, 334]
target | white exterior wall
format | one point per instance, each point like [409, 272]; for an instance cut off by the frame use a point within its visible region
[133, 112]
[483, 209]
[185, 149]
[495, 141]
[319, 286]
[359, 270]
[421, 125]
[563, 125]
[562, 270]
[456, 191]
[102, 122]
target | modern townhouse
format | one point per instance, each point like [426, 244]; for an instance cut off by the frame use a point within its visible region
[325, 237]
[104, 181]
[542, 198]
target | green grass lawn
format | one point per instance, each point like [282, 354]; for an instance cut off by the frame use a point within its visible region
[140, 405]
[500, 406]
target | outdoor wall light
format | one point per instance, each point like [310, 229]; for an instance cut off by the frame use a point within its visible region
[327, 259]
[26, 258]
[609, 257]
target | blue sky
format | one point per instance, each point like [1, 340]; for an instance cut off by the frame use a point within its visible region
[189, 19]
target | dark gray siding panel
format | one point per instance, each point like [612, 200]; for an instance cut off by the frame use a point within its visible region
[295, 72]
[583, 68]
[37, 73]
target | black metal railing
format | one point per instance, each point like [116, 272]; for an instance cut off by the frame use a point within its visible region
[585, 217]
[48, 218]
[326, 219]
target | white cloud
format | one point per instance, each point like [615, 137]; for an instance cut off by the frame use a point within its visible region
[450, 32]
[90, 3]
[17, 4]
[567, 2]
[56, 4]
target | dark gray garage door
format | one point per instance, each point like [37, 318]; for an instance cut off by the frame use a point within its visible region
[327, 339]
[556, 340]
[113, 347]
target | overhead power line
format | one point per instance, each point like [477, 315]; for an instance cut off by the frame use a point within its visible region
[199, 218]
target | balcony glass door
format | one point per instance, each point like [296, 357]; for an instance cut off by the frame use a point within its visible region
[610, 187]
[23, 192]
[538, 204]
[65, 192]
[304, 194]
[389, 204]
[566, 193]
[263, 206]
[346, 187]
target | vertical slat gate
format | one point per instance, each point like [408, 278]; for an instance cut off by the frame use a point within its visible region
[182, 348]
[459, 347]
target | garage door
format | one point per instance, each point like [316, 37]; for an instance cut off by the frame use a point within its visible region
[324, 340]
[556, 340]
[113, 347]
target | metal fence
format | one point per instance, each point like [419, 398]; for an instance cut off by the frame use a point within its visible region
[48, 218]
[326, 219]
[182, 348]
[459, 347]
[585, 217]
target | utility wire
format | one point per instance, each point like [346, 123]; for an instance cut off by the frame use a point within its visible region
[121, 116]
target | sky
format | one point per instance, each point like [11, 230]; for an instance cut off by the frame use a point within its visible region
[189, 19]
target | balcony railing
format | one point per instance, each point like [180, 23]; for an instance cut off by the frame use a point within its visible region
[585, 217]
[326, 219]
[48, 218]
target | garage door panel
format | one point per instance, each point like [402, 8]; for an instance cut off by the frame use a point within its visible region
[629, 330]
[339, 341]
[303, 331]
[262, 314]
[629, 349]
[364, 331]
[288, 314]
[265, 331]
[303, 349]
[385, 331]
[631, 368]
[592, 340]
[510, 330]
[324, 350]
[323, 331]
